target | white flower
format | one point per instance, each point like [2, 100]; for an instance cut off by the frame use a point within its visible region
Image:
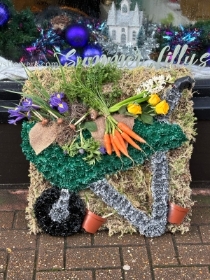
[155, 84]
[157, 89]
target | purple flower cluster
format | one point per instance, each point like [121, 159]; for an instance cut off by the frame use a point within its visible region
[22, 111]
[57, 102]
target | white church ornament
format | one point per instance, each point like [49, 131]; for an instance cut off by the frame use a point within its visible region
[124, 24]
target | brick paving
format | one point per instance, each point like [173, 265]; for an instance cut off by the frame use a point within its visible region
[100, 257]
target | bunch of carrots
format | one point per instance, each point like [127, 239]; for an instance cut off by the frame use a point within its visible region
[117, 134]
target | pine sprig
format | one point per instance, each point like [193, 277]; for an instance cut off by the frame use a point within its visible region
[20, 31]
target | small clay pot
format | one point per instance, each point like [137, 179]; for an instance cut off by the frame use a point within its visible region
[176, 213]
[92, 222]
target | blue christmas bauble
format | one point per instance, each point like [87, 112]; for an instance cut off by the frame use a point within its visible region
[91, 51]
[77, 35]
[69, 57]
[4, 14]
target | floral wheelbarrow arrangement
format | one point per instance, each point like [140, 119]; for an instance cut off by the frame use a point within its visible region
[78, 136]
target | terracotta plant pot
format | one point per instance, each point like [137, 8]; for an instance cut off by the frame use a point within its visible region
[92, 222]
[176, 213]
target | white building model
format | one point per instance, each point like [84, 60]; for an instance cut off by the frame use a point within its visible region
[124, 24]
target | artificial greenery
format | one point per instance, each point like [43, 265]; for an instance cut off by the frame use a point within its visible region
[19, 32]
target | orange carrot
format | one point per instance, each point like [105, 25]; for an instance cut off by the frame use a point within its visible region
[130, 132]
[130, 141]
[107, 143]
[114, 146]
[122, 142]
[119, 146]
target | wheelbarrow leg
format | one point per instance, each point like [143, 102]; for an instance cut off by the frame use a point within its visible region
[150, 226]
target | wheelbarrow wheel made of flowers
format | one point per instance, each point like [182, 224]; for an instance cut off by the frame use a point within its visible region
[59, 212]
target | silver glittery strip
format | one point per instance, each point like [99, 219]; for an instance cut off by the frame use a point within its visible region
[149, 226]
[59, 211]
[173, 95]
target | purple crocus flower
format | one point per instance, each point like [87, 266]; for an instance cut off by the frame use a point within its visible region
[14, 112]
[62, 107]
[28, 104]
[54, 101]
[59, 95]
[13, 121]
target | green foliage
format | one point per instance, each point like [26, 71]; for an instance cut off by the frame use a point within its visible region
[141, 37]
[168, 20]
[146, 118]
[86, 84]
[204, 26]
[20, 31]
[91, 126]
[88, 146]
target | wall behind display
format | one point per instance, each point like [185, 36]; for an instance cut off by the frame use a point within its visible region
[195, 9]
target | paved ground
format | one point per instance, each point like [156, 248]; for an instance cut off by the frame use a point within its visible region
[100, 257]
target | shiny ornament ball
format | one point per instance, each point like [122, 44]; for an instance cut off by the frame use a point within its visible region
[67, 58]
[4, 14]
[77, 35]
[91, 51]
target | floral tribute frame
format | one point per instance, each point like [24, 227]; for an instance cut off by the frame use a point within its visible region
[163, 136]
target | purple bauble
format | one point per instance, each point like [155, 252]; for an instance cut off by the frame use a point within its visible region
[70, 59]
[4, 14]
[77, 35]
[91, 51]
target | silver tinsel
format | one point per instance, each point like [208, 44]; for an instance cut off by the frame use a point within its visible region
[147, 43]
[149, 226]
[173, 95]
[59, 211]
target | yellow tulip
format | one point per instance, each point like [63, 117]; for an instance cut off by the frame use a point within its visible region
[162, 108]
[154, 99]
[134, 109]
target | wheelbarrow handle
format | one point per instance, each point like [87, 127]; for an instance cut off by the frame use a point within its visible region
[184, 83]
